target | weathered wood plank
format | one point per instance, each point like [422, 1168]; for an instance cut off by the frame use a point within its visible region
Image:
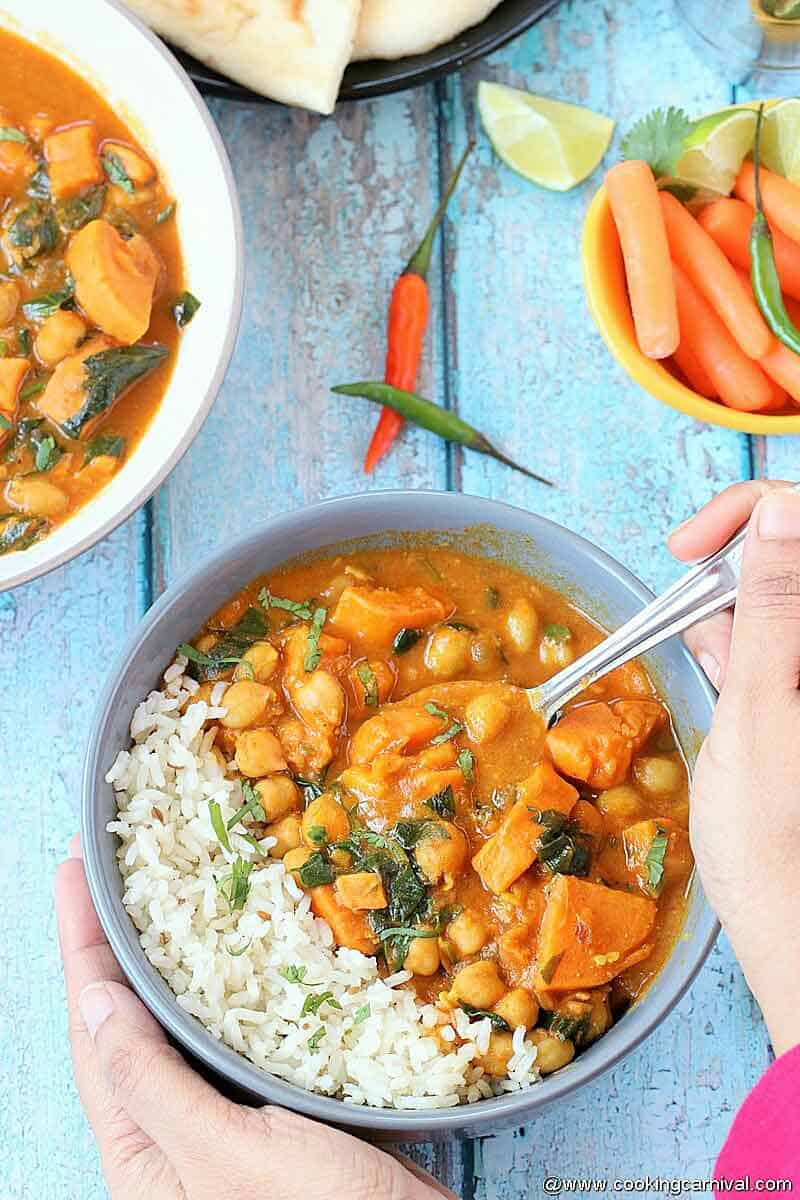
[331, 211]
[59, 636]
[528, 368]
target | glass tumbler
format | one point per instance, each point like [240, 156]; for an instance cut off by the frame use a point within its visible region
[752, 42]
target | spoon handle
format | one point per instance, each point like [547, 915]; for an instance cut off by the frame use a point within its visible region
[708, 588]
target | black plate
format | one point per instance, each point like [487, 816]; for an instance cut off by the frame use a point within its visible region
[363, 80]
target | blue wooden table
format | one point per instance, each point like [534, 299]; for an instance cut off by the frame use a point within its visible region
[329, 209]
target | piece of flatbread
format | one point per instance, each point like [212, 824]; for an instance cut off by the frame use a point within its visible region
[396, 28]
[291, 50]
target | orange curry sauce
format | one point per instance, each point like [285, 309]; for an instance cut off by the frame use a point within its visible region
[540, 877]
[90, 267]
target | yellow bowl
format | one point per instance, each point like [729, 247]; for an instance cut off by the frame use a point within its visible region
[607, 294]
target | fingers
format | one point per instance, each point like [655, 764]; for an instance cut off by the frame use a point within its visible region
[147, 1078]
[714, 524]
[765, 652]
[710, 643]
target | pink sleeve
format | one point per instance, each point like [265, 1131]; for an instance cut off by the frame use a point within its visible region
[764, 1141]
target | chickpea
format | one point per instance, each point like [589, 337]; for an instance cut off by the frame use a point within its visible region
[278, 796]
[658, 778]
[423, 957]
[246, 702]
[258, 752]
[468, 933]
[293, 860]
[447, 652]
[286, 833]
[325, 813]
[485, 717]
[261, 659]
[59, 336]
[593, 1006]
[522, 625]
[551, 1053]
[485, 652]
[32, 495]
[556, 653]
[518, 1007]
[320, 700]
[478, 985]
[443, 853]
[9, 301]
[621, 802]
[496, 1059]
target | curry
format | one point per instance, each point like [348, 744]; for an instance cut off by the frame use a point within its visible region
[370, 709]
[91, 292]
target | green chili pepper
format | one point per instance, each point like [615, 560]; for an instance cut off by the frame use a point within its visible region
[763, 271]
[441, 421]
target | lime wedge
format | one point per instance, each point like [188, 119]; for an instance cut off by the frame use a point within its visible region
[715, 149]
[547, 141]
[780, 139]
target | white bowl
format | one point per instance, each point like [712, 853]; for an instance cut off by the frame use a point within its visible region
[143, 82]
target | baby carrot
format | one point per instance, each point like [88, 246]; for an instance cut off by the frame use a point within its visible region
[729, 222]
[700, 258]
[780, 198]
[739, 382]
[782, 366]
[633, 197]
[693, 370]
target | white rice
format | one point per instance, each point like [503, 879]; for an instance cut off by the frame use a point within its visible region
[375, 1044]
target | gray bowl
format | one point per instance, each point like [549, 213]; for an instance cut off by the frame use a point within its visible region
[596, 583]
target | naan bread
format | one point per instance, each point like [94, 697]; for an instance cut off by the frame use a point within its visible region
[291, 50]
[395, 28]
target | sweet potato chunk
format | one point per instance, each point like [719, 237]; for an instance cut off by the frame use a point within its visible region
[65, 393]
[512, 849]
[361, 890]
[16, 163]
[72, 160]
[350, 929]
[12, 373]
[395, 729]
[589, 934]
[115, 280]
[657, 852]
[371, 617]
[596, 742]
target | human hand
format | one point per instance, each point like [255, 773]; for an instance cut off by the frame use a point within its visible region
[745, 820]
[162, 1131]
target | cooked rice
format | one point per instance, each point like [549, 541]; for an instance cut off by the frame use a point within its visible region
[372, 1042]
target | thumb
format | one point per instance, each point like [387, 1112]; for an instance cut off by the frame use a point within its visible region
[765, 653]
[149, 1079]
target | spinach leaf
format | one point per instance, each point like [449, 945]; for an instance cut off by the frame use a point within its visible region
[48, 452]
[443, 803]
[184, 308]
[654, 863]
[311, 788]
[108, 375]
[405, 639]
[313, 652]
[560, 848]
[34, 230]
[498, 1022]
[75, 212]
[24, 342]
[409, 833]
[367, 676]
[229, 648]
[42, 307]
[316, 871]
[105, 444]
[5, 424]
[566, 1029]
[18, 532]
[298, 608]
[115, 170]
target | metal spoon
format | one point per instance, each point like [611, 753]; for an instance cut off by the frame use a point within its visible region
[707, 589]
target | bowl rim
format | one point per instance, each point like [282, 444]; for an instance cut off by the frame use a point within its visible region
[651, 374]
[232, 1067]
[150, 486]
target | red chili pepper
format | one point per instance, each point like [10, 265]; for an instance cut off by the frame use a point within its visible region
[408, 319]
